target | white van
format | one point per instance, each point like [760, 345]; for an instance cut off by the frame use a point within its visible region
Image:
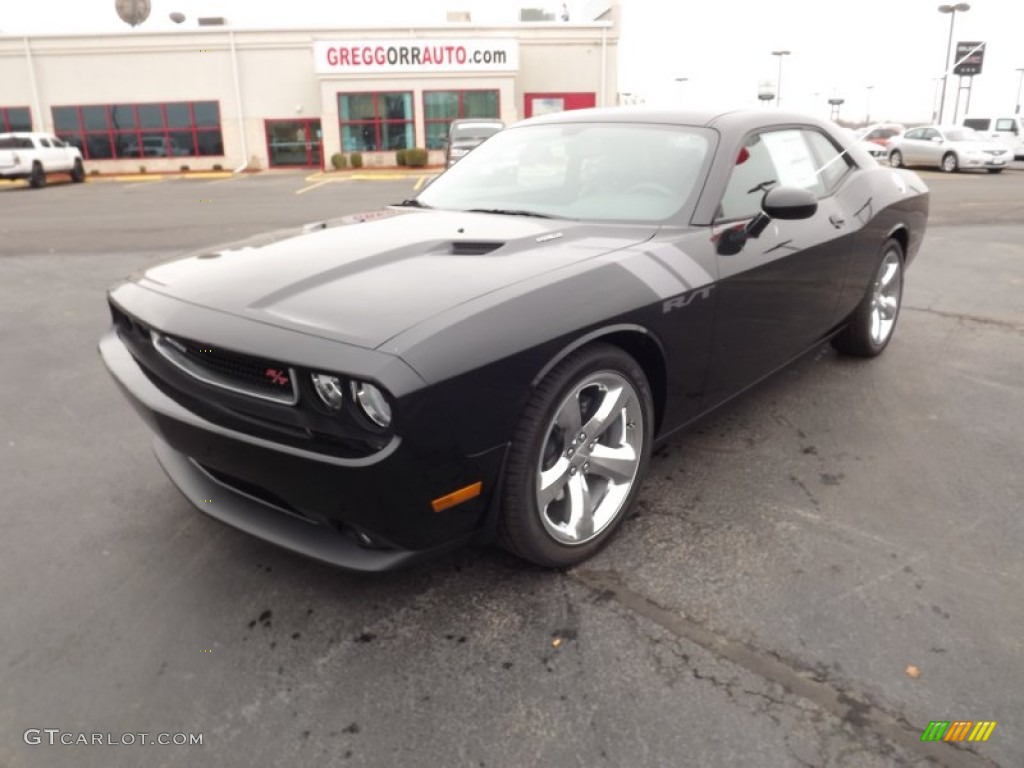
[1006, 130]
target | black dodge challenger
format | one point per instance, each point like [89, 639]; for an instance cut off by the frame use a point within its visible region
[495, 358]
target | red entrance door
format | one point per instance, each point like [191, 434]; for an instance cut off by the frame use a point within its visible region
[546, 103]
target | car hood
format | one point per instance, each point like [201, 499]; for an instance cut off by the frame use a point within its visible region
[363, 284]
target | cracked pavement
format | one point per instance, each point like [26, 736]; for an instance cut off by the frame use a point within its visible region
[788, 559]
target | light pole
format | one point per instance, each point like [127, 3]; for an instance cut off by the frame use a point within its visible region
[682, 85]
[951, 10]
[1020, 82]
[867, 106]
[935, 100]
[778, 83]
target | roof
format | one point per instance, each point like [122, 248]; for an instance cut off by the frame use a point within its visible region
[738, 120]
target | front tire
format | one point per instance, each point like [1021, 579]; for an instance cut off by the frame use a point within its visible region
[577, 457]
[38, 177]
[78, 172]
[896, 159]
[950, 163]
[872, 324]
[994, 170]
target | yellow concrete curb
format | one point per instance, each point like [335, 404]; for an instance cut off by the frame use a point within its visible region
[204, 175]
[136, 178]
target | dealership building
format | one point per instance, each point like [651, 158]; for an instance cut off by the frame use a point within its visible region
[255, 99]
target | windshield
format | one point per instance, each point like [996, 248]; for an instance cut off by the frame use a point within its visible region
[963, 134]
[475, 131]
[588, 171]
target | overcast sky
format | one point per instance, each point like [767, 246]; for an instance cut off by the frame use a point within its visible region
[723, 48]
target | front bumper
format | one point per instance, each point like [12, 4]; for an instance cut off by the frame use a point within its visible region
[369, 514]
[986, 161]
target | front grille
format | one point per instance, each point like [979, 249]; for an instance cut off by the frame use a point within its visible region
[253, 376]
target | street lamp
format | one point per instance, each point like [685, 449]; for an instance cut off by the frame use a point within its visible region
[1020, 82]
[778, 83]
[935, 100]
[682, 84]
[835, 103]
[951, 10]
[867, 106]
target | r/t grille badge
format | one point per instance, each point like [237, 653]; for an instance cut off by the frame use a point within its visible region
[277, 377]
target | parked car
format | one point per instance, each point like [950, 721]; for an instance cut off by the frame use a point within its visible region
[949, 147]
[876, 150]
[33, 156]
[500, 355]
[880, 133]
[466, 135]
[1007, 130]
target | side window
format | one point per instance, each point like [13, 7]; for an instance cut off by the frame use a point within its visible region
[931, 133]
[45, 143]
[916, 133]
[1006, 124]
[977, 123]
[753, 173]
[773, 158]
[832, 162]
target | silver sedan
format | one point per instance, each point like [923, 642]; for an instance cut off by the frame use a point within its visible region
[951, 148]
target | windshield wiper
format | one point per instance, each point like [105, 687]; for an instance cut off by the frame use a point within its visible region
[412, 202]
[510, 212]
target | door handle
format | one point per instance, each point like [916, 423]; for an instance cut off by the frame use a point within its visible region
[837, 220]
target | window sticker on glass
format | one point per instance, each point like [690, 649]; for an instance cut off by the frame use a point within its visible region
[792, 159]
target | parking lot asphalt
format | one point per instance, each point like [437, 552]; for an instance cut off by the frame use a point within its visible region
[809, 578]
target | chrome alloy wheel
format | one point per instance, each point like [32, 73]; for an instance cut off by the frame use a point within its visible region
[590, 458]
[885, 297]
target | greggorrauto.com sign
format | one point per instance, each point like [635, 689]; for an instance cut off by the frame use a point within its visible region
[415, 55]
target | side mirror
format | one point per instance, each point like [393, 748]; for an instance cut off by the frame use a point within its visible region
[937, 139]
[789, 203]
[783, 203]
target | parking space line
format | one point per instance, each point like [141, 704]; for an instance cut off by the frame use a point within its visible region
[317, 184]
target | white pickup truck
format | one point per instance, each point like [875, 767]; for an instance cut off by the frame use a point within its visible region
[33, 155]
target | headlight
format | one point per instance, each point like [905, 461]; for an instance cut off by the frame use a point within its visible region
[329, 389]
[372, 403]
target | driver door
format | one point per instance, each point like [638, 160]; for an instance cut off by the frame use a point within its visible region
[779, 294]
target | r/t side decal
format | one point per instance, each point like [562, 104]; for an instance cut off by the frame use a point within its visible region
[684, 300]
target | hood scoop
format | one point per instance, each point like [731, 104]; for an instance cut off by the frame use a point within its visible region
[473, 247]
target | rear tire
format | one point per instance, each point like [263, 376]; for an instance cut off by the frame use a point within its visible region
[896, 159]
[38, 177]
[78, 172]
[577, 457]
[995, 170]
[950, 163]
[874, 320]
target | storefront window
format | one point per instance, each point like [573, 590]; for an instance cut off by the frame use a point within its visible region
[15, 119]
[177, 129]
[441, 107]
[373, 122]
